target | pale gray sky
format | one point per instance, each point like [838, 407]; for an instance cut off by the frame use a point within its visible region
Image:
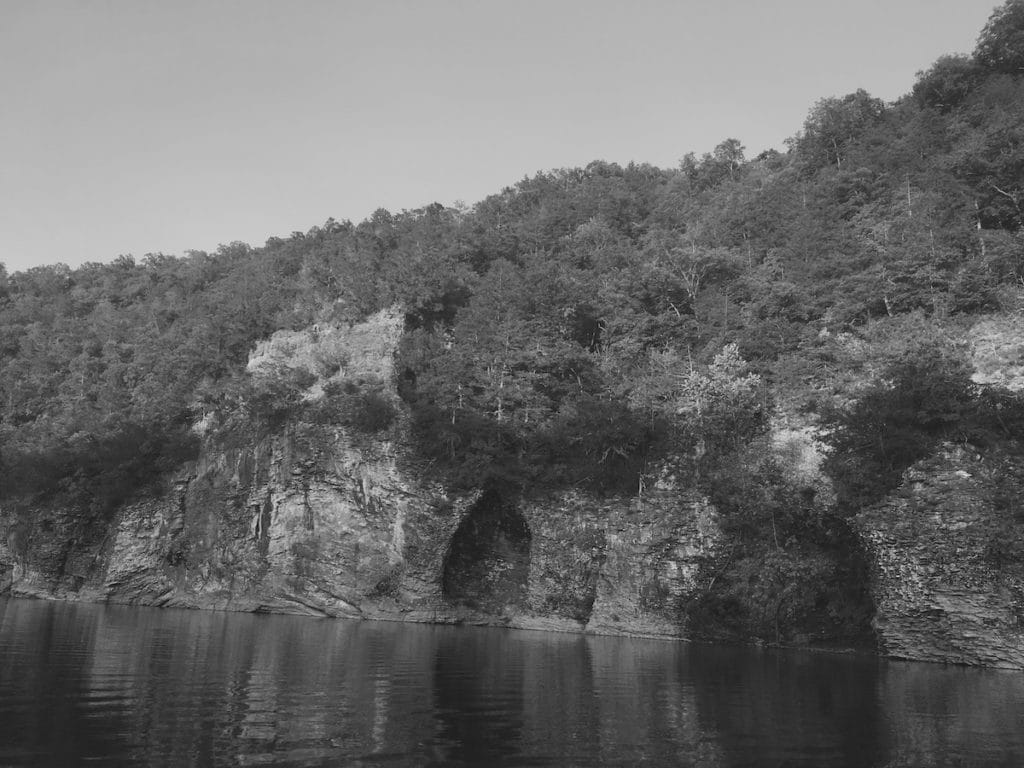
[135, 126]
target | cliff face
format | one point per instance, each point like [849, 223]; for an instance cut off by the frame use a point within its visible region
[313, 518]
[317, 519]
[947, 559]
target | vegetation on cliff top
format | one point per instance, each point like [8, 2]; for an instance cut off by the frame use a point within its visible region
[592, 326]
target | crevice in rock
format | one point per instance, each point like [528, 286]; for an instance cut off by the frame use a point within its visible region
[262, 519]
[307, 510]
[176, 524]
[488, 559]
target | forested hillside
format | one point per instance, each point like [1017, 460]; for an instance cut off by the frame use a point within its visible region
[595, 327]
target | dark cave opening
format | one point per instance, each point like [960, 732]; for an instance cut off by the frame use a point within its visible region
[488, 560]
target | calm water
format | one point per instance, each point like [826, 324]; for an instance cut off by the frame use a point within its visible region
[113, 685]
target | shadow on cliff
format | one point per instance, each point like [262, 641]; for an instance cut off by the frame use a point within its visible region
[60, 502]
[488, 560]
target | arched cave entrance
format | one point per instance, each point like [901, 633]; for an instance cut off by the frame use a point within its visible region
[488, 560]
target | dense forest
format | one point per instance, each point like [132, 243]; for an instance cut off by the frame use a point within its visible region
[597, 328]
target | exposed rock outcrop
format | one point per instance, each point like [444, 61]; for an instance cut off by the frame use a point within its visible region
[997, 351]
[319, 519]
[315, 518]
[947, 554]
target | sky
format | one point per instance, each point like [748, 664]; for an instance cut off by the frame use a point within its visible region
[144, 126]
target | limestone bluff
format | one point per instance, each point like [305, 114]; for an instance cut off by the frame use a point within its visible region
[320, 520]
[317, 519]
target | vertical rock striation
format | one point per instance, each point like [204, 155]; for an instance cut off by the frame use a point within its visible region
[314, 518]
[947, 553]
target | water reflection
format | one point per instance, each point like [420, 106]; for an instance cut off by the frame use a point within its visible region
[147, 687]
[791, 709]
[954, 715]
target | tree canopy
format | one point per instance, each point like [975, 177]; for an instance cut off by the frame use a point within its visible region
[578, 327]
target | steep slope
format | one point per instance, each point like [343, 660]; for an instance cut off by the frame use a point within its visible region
[947, 553]
[326, 520]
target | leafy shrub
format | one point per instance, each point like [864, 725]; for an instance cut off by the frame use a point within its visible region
[347, 404]
[96, 473]
[275, 396]
[788, 570]
[922, 398]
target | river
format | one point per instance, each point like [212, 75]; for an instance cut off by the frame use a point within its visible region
[112, 685]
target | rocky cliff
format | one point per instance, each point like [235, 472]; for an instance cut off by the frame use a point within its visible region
[305, 516]
[319, 519]
[947, 560]
[314, 521]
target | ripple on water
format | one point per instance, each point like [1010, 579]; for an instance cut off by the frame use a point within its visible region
[115, 685]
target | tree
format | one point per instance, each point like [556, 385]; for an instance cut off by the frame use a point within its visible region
[1001, 43]
[724, 163]
[924, 395]
[835, 124]
[947, 83]
[989, 151]
[710, 410]
[676, 272]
